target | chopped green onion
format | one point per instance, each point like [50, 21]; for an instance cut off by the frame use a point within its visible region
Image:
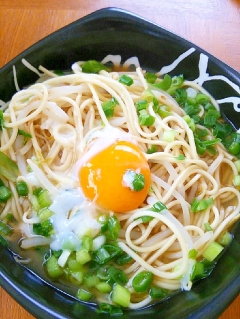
[103, 287]
[74, 265]
[152, 149]
[123, 259]
[180, 157]
[84, 295]
[137, 180]
[83, 256]
[103, 273]
[5, 229]
[125, 79]
[197, 271]
[232, 143]
[76, 277]
[141, 105]
[44, 214]
[200, 205]
[105, 253]
[22, 188]
[44, 229]
[8, 168]
[150, 77]
[210, 117]
[192, 254]
[169, 136]
[202, 98]
[158, 292]
[53, 269]
[111, 228]
[165, 83]
[59, 72]
[190, 122]
[142, 281]
[225, 239]
[146, 119]
[180, 95]
[221, 130]
[117, 275]
[145, 219]
[91, 280]
[87, 242]
[37, 191]
[35, 203]
[25, 134]
[44, 199]
[212, 251]
[112, 310]
[120, 295]
[177, 82]
[5, 194]
[207, 227]
[108, 107]
[3, 241]
[148, 95]
[158, 207]
[93, 66]
[163, 111]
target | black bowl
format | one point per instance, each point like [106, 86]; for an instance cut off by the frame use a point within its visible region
[114, 31]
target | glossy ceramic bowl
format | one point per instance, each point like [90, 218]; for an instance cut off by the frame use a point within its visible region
[114, 31]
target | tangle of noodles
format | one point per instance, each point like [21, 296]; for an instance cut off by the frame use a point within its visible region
[62, 114]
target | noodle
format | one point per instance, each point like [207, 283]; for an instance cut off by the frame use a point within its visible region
[63, 115]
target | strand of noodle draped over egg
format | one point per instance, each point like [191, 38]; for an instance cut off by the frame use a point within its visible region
[62, 112]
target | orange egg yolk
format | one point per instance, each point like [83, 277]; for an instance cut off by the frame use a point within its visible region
[102, 177]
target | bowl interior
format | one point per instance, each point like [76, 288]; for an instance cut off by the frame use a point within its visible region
[114, 31]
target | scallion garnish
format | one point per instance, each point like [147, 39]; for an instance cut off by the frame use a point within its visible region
[164, 84]
[84, 295]
[117, 275]
[207, 227]
[8, 168]
[109, 106]
[150, 77]
[44, 229]
[138, 182]
[93, 66]
[157, 292]
[169, 136]
[142, 281]
[158, 207]
[105, 253]
[141, 105]
[200, 205]
[5, 194]
[125, 79]
[152, 149]
[192, 254]
[180, 157]
[111, 228]
[211, 117]
[146, 119]
[22, 188]
[5, 229]
[25, 134]
[120, 295]
[212, 251]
